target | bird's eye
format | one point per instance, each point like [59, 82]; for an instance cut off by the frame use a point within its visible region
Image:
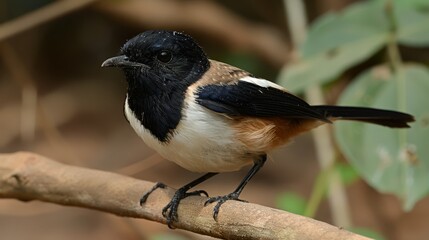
[164, 56]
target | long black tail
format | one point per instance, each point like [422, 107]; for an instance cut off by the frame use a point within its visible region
[371, 115]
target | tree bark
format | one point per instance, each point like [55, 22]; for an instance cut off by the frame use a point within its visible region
[28, 176]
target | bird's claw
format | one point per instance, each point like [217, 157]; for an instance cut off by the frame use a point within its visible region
[146, 195]
[221, 200]
[170, 211]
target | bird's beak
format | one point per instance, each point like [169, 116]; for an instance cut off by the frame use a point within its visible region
[120, 61]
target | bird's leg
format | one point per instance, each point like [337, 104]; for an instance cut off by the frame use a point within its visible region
[236, 193]
[170, 211]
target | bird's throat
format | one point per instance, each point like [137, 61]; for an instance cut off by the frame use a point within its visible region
[159, 113]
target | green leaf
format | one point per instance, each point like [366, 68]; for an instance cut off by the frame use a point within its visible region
[391, 160]
[291, 202]
[367, 233]
[347, 173]
[413, 23]
[419, 4]
[335, 42]
[357, 23]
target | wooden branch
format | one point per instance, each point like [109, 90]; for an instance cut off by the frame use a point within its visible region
[28, 176]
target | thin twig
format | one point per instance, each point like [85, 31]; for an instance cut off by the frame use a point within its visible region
[29, 96]
[40, 16]
[31, 106]
[140, 166]
[209, 18]
[27, 176]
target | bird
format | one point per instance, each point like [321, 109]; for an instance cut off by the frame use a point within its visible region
[211, 117]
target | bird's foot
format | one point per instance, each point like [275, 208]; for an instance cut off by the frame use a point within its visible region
[146, 195]
[221, 200]
[170, 211]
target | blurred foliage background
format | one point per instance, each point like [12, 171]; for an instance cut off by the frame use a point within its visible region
[56, 100]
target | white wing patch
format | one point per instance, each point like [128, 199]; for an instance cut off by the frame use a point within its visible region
[262, 82]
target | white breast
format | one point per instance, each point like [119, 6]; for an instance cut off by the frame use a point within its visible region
[202, 142]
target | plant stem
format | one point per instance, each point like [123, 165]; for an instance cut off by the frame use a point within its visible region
[324, 147]
[394, 55]
[396, 66]
[319, 191]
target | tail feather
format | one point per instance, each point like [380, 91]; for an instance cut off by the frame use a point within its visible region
[386, 118]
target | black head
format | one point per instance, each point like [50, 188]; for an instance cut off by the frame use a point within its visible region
[159, 59]
[159, 66]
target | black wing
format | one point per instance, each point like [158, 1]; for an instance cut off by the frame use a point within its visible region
[248, 99]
